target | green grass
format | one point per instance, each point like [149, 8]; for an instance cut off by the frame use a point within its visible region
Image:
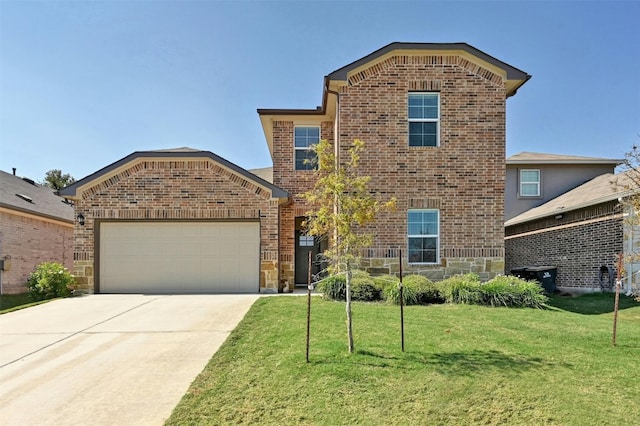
[462, 365]
[13, 302]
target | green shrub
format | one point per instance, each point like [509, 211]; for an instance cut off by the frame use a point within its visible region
[49, 280]
[410, 293]
[428, 291]
[333, 287]
[384, 281]
[363, 287]
[464, 289]
[513, 292]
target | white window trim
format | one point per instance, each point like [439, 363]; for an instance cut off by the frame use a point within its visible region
[436, 236]
[425, 120]
[296, 149]
[521, 182]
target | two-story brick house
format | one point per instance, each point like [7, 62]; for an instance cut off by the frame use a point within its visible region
[433, 120]
[187, 220]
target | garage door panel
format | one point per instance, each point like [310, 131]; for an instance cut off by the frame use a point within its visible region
[179, 257]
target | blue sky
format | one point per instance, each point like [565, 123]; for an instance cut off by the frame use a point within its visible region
[83, 84]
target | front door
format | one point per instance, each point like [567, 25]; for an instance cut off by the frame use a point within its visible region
[306, 244]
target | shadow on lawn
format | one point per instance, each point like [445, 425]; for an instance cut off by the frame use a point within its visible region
[469, 363]
[591, 304]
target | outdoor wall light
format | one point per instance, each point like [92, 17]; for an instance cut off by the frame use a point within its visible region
[80, 218]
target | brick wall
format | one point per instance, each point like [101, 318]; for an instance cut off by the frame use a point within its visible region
[29, 241]
[464, 177]
[176, 190]
[578, 244]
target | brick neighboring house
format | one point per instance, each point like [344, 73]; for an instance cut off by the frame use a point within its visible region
[534, 178]
[579, 232]
[36, 225]
[433, 120]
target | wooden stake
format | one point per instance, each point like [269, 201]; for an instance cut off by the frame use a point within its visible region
[615, 306]
[400, 288]
[308, 305]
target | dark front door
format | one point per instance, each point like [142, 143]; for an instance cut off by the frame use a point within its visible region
[305, 244]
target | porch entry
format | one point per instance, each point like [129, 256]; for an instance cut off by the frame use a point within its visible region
[304, 244]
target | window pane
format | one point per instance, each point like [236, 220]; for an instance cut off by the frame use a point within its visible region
[423, 105]
[529, 176]
[305, 137]
[529, 189]
[423, 250]
[303, 154]
[423, 133]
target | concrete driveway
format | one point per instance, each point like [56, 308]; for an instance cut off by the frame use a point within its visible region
[109, 359]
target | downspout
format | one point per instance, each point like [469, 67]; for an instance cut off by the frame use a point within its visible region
[336, 154]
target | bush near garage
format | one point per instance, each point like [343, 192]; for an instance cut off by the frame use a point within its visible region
[50, 280]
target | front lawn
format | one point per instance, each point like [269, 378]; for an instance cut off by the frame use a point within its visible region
[13, 302]
[462, 365]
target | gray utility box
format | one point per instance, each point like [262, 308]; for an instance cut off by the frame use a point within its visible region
[545, 275]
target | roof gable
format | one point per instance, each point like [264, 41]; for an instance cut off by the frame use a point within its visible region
[102, 176]
[513, 77]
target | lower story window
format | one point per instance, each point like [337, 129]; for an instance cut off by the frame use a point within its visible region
[423, 228]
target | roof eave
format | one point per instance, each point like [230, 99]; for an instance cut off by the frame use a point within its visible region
[561, 162]
[612, 197]
[36, 213]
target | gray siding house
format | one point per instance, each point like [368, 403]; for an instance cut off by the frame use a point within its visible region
[534, 178]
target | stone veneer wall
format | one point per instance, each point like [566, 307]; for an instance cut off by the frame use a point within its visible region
[464, 177]
[30, 240]
[578, 244]
[165, 189]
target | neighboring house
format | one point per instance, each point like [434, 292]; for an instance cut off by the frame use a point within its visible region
[176, 221]
[433, 120]
[579, 233]
[535, 178]
[36, 225]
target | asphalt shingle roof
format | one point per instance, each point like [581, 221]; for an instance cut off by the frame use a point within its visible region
[603, 188]
[19, 194]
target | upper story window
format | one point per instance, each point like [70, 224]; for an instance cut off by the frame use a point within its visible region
[423, 229]
[304, 138]
[529, 183]
[424, 119]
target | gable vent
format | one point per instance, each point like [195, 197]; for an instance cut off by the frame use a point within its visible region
[25, 197]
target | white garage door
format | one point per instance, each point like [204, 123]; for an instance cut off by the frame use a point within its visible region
[179, 257]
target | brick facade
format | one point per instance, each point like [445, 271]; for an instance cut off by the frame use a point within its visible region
[464, 177]
[578, 244]
[29, 240]
[186, 189]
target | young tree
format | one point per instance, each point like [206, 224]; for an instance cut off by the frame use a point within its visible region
[56, 180]
[629, 182]
[342, 207]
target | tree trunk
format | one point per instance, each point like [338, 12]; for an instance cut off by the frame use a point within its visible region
[349, 319]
